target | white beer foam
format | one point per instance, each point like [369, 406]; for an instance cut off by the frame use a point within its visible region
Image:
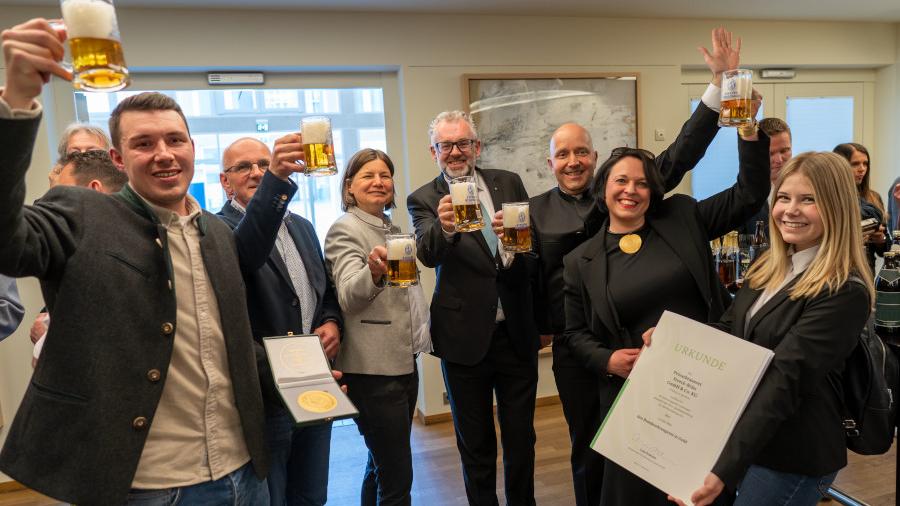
[463, 193]
[397, 249]
[515, 216]
[89, 19]
[316, 131]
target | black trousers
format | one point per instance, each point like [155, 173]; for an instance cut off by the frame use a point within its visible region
[386, 405]
[578, 393]
[471, 390]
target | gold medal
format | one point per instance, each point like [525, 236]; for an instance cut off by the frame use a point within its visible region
[317, 401]
[630, 243]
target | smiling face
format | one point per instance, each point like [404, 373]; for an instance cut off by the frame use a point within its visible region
[859, 162]
[373, 187]
[796, 214]
[157, 153]
[627, 195]
[455, 162]
[241, 185]
[572, 158]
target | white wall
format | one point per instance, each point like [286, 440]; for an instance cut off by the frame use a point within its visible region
[431, 52]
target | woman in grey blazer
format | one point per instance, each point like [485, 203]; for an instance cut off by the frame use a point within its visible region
[377, 352]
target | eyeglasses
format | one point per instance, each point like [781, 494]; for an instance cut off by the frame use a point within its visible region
[245, 167]
[464, 145]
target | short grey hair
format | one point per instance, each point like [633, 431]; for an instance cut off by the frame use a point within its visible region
[451, 117]
[63, 147]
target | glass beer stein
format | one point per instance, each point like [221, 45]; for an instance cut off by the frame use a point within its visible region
[98, 63]
[401, 260]
[516, 227]
[466, 206]
[737, 93]
[318, 146]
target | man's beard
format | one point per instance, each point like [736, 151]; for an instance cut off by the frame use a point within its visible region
[467, 170]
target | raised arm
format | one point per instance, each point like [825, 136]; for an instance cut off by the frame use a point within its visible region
[33, 242]
[256, 233]
[703, 125]
[728, 209]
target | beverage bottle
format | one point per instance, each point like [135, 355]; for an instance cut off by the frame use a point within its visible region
[887, 299]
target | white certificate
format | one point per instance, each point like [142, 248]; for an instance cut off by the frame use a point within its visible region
[680, 403]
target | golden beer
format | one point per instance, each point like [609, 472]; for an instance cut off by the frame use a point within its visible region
[516, 227]
[401, 260]
[318, 146]
[98, 62]
[737, 92]
[736, 110]
[466, 206]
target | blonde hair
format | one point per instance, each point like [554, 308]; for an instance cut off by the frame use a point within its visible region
[840, 254]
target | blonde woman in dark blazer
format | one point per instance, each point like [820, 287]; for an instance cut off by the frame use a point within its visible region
[377, 352]
[807, 299]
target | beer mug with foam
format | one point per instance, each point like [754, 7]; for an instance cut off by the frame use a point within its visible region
[516, 227]
[466, 206]
[401, 260]
[98, 63]
[737, 94]
[318, 146]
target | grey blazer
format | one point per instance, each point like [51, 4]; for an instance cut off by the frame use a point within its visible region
[377, 320]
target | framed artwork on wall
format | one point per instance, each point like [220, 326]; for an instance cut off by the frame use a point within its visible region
[515, 115]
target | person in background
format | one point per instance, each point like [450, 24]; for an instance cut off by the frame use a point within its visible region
[780, 153]
[77, 138]
[807, 299]
[894, 205]
[876, 242]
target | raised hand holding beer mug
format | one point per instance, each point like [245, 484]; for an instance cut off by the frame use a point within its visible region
[98, 63]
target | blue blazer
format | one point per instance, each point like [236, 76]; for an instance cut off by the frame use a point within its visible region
[272, 303]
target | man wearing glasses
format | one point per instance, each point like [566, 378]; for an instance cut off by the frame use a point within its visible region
[482, 322]
[289, 293]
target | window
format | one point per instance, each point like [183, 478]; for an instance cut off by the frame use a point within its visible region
[819, 123]
[219, 117]
[717, 169]
[821, 115]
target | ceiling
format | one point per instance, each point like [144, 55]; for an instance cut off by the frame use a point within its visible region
[863, 10]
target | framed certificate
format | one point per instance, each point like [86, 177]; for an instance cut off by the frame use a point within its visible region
[303, 377]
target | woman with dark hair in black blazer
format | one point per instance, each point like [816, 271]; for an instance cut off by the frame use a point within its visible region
[808, 299]
[651, 255]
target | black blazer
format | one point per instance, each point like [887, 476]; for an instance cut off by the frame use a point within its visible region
[793, 421]
[557, 226]
[273, 304]
[686, 226]
[106, 272]
[469, 281]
